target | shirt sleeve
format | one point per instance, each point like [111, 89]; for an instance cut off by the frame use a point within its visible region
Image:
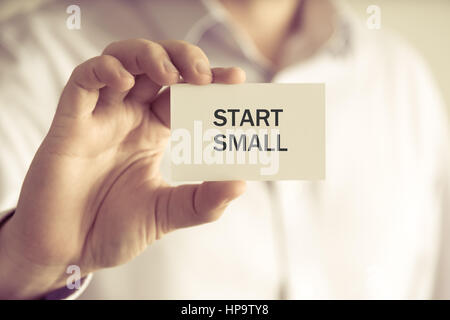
[69, 294]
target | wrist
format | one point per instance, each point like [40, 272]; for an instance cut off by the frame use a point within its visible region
[20, 279]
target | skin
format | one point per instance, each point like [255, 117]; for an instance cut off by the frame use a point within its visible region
[93, 195]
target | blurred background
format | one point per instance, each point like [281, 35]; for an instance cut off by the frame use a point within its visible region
[425, 24]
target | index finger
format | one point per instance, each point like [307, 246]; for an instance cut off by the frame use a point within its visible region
[141, 56]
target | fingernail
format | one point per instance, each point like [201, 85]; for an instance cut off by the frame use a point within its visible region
[169, 67]
[203, 68]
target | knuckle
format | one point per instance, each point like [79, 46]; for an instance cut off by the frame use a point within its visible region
[78, 69]
[143, 40]
[82, 70]
[106, 61]
[105, 65]
[110, 47]
[149, 49]
[190, 51]
[80, 75]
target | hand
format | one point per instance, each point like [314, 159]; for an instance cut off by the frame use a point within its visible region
[93, 195]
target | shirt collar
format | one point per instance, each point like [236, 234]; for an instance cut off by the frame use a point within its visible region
[191, 20]
[181, 18]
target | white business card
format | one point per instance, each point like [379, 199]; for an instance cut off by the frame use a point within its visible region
[252, 131]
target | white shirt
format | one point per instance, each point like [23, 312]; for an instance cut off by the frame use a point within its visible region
[372, 229]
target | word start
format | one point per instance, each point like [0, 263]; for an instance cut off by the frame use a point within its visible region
[232, 144]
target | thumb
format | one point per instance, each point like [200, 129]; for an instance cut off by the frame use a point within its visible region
[194, 204]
